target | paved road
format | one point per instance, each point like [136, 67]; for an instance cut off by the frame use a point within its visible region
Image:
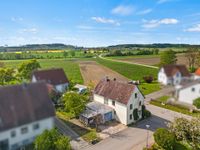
[123, 61]
[76, 142]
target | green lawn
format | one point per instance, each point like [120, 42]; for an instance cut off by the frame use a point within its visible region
[70, 67]
[160, 102]
[135, 56]
[147, 88]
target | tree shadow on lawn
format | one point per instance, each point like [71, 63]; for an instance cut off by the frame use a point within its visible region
[155, 122]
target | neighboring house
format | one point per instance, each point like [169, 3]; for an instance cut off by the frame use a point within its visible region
[123, 98]
[173, 74]
[197, 74]
[25, 112]
[55, 77]
[188, 92]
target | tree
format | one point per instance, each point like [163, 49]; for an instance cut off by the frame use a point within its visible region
[168, 57]
[187, 130]
[74, 103]
[192, 56]
[196, 103]
[164, 138]
[148, 79]
[6, 75]
[26, 68]
[51, 139]
[65, 54]
[72, 53]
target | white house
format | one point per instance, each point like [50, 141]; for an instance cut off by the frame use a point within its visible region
[25, 112]
[123, 98]
[188, 92]
[173, 74]
[55, 77]
[197, 74]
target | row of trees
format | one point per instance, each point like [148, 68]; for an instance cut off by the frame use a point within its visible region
[132, 52]
[22, 73]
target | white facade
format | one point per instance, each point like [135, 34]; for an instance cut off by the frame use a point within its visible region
[188, 94]
[60, 88]
[124, 112]
[25, 134]
[165, 80]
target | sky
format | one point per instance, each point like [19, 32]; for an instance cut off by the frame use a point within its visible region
[93, 23]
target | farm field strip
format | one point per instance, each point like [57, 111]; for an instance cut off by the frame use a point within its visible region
[93, 72]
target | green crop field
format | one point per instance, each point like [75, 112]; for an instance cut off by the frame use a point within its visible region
[70, 67]
[131, 71]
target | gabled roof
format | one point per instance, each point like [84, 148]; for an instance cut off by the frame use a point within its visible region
[23, 104]
[51, 76]
[171, 70]
[115, 90]
[197, 72]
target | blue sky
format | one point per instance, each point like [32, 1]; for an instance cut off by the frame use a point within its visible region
[99, 22]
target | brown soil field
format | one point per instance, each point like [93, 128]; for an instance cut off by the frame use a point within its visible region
[92, 73]
[155, 60]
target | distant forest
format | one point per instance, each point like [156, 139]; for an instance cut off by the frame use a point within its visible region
[71, 47]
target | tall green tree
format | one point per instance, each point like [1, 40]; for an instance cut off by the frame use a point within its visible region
[51, 140]
[65, 54]
[187, 130]
[168, 57]
[74, 103]
[72, 53]
[193, 58]
[26, 68]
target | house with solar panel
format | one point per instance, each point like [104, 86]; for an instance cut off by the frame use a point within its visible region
[25, 112]
[54, 77]
[114, 100]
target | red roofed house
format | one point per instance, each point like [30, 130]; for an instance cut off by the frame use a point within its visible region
[121, 98]
[55, 77]
[25, 112]
[173, 74]
[197, 74]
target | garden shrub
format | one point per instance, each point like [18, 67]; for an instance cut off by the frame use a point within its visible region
[196, 103]
[164, 138]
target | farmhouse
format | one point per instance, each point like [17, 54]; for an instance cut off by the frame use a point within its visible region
[197, 74]
[188, 92]
[55, 77]
[25, 112]
[122, 98]
[173, 74]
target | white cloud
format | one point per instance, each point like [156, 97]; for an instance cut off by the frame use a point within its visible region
[195, 28]
[29, 30]
[105, 21]
[123, 10]
[144, 12]
[17, 19]
[156, 23]
[85, 27]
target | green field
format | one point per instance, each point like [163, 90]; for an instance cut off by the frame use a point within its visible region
[131, 71]
[135, 56]
[70, 67]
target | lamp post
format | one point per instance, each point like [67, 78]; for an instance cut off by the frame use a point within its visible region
[147, 142]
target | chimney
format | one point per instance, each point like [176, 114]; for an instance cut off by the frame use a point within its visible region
[114, 79]
[107, 79]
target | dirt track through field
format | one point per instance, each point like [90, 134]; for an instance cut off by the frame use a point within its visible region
[93, 72]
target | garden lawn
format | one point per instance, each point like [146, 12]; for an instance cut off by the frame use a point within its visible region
[70, 67]
[147, 88]
[160, 102]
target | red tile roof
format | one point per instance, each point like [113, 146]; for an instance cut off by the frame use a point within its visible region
[171, 70]
[23, 104]
[197, 72]
[51, 76]
[115, 90]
